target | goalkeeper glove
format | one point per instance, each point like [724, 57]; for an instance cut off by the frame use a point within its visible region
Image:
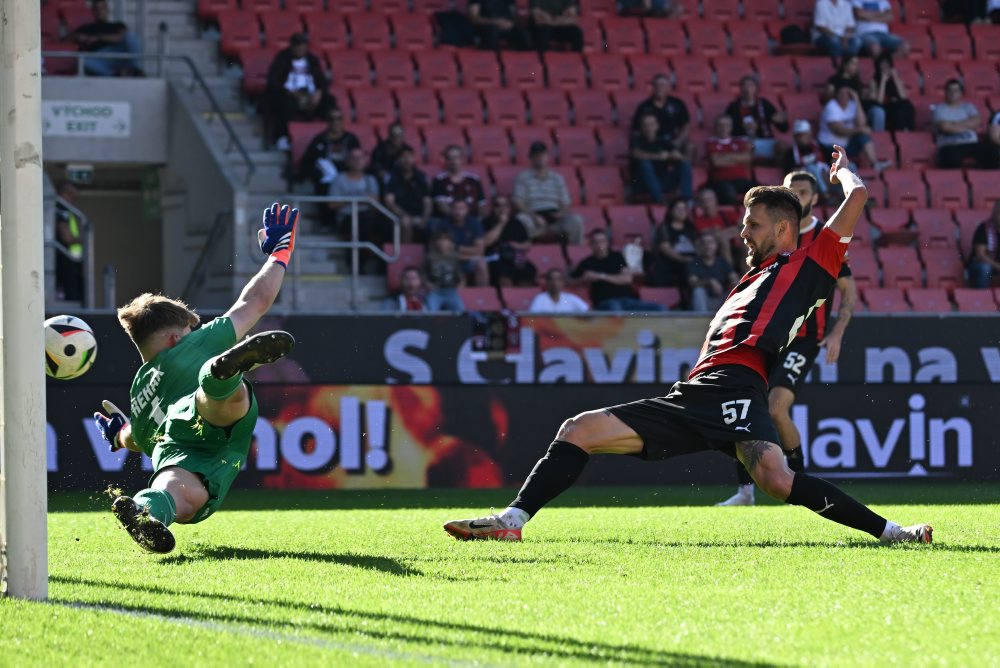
[277, 238]
[110, 425]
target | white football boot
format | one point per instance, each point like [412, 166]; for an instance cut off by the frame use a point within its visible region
[742, 497]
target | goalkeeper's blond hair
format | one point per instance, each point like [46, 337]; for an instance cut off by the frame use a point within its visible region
[149, 313]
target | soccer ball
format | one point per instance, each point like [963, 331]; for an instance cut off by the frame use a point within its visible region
[70, 347]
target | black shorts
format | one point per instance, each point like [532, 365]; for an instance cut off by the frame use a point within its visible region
[794, 364]
[712, 411]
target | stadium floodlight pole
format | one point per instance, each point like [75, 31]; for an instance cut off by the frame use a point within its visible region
[22, 446]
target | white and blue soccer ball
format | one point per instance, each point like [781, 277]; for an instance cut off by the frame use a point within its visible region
[70, 347]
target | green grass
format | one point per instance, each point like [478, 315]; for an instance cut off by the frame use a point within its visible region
[622, 576]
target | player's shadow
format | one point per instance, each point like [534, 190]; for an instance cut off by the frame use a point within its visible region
[851, 543]
[197, 553]
[387, 627]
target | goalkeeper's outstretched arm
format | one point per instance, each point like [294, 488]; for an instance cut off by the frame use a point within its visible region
[277, 238]
[855, 195]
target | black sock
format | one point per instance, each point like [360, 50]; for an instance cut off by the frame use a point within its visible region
[823, 498]
[742, 474]
[795, 460]
[553, 474]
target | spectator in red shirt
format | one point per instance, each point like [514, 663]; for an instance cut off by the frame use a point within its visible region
[411, 296]
[456, 183]
[708, 217]
[729, 160]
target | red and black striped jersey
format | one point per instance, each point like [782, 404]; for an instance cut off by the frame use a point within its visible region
[769, 305]
[814, 328]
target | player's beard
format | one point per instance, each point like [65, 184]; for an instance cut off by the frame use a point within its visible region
[757, 254]
[807, 209]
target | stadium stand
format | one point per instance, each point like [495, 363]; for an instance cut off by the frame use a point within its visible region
[929, 300]
[886, 300]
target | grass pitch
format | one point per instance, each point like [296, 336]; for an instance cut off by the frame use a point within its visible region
[605, 576]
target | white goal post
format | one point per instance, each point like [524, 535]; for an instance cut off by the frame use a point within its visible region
[23, 483]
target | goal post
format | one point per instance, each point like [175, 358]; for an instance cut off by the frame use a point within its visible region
[23, 479]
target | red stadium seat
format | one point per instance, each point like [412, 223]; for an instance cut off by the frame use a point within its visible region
[74, 16]
[51, 28]
[971, 300]
[607, 71]
[623, 36]
[480, 69]
[986, 38]
[813, 73]
[350, 6]
[256, 62]
[916, 149]
[948, 189]
[389, 7]
[518, 299]
[669, 297]
[775, 74]
[728, 72]
[439, 137]
[505, 106]
[886, 300]
[412, 32]
[615, 145]
[410, 255]
[548, 107]
[374, 106]
[761, 10]
[462, 106]
[864, 266]
[980, 77]
[905, 188]
[565, 71]
[935, 228]
[708, 37]
[430, 6]
[626, 102]
[801, 106]
[349, 69]
[480, 299]
[522, 69]
[692, 74]
[646, 66]
[369, 31]
[951, 41]
[438, 68]
[577, 146]
[799, 11]
[862, 230]
[569, 174]
[392, 68]
[748, 40]
[490, 145]
[968, 220]
[712, 106]
[593, 218]
[629, 221]
[299, 135]
[260, 6]
[523, 138]
[599, 8]
[936, 73]
[208, 10]
[279, 26]
[900, 267]
[304, 7]
[894, 225]
[592, 108]
[576, 255]
[593, 38]
[665, 37]
[417, 107]
[720, 10]
[917, 36]
[503, 177]
[327, 32]
[546, 257]
[923, 105]
[885, 149]
[984, 187]
[929, 300]
[239, 30]
[922, 11]
[944, 266]
[60, 65]
[603, 185]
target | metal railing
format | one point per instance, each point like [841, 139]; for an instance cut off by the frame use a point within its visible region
[88, 251]
[200, 270]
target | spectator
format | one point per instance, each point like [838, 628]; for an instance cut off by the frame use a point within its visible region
[554, 299]
[890, 94]
[872, 18]
[729, 160]
[355, 182]
[807, 155]
[467, 234]
[296, 89]
[543, 201]
[671, 114]
[994, 131]
[956, 123]
[327, 153]
[834, 28]
[69, 233]
[764, 115]
[661, 169]
[609, 279]
[496, 21]
[411, 296]
[111, 37]
[674, 246]
[556, 21]
[849, 74]
[387, 152]
[984, 261]
[507, 245]
[408, 196]
[444, 274]
[707, 216]
[709, 276]
[843, 123]
[671, 9]
[454, 183]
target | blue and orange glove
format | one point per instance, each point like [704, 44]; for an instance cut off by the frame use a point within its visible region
[277, 238]
[111, 424]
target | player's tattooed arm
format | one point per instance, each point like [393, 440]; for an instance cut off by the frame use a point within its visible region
[751, 452]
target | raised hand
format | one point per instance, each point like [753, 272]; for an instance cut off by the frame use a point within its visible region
[840, 161]
[110, 425]
[277, 237]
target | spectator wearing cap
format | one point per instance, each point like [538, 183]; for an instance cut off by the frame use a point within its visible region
[834, 28]
[872, 19]
[807, 155]
[296, 89]
[658, 168]
[756, 117]
[542, 200]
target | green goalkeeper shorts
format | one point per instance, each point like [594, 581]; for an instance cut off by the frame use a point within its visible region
[215, 454]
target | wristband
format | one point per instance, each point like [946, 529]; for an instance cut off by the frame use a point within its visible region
[281, 257]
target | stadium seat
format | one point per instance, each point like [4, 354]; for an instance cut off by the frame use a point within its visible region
[813, 73]
[646, 66]
[951, 41]
[629, 221]
[565, 71]
[728, 72]
[862, 230]
[608, 72]
[592, 108]
[304, 7]
[923, 105]
[522, 70]
[720, 10]
[577, 146]
[747, 40]
[569, 174]
[480, 298]
[707, 37]
[239, 30]
[921, 11]
[944, 267]
[760, 10]
[327, 32]
[255, 62]
[462, 106]
[490, 144]
[980, 77]
[935, 228]
[279, 26]
[417, 106]
[936, 73]
[669, 297]
[430, 6]
[60, 65]
[948, 189]
[986, 38]
[480, 69]
[438, 68]
[524, 136]
[598, 8]
[801, 106]
[518, 299]
[772, 176]
[984, 187]
[905, 188]
[775, 74]
[900, 267]
[74, 16]
[665, 37]
[392, 68]
[692, 74]
[929, 300]
[410, 255]
[916, 149]
[548, 107]
[917, 36]
[368, 31]
[593, 218]
[799, 12]
[374, 106]
[546, 257]
[626, 102]
[614, 144]
[602, 185]
[576, 254]
[349, 6]
[623, 36]
[968, 220]
[411, 32]
[437, 138]
[712, 105]
[893, 224]
[349, 69]
[503, 177]
[51, 28]
[505, 106]
[388, 6]
[208, 10]
[971, 300]
[864, 266]
[299, 135]
[886, 300]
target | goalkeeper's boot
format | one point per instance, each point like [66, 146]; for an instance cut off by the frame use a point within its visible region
[148, 532]
[918, 533]
[484, 528]
[742, 497]
[250, 353]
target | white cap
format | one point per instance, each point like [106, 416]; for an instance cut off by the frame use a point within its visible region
[801, 126]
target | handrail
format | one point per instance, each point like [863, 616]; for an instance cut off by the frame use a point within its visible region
[217, 112]
[200, 269]
[88, 251]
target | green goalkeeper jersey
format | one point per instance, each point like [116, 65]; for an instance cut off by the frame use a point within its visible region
[173, 375]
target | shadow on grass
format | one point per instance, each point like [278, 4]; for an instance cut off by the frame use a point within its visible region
[198, 553]
[851, 543]
[341, 621]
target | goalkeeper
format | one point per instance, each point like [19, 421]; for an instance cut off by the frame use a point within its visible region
[192, 411]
